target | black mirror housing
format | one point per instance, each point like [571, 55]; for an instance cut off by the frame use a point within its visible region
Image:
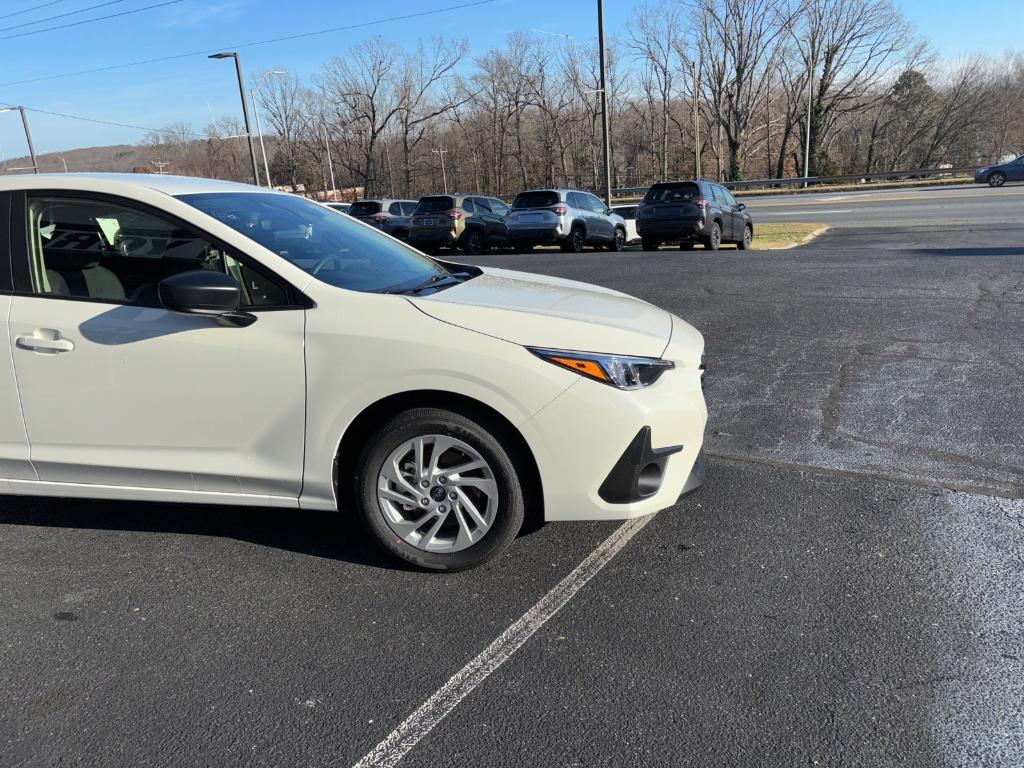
[204, 292]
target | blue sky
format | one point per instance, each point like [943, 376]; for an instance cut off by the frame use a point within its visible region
[196, 90]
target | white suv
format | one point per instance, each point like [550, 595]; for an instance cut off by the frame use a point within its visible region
[186, 340]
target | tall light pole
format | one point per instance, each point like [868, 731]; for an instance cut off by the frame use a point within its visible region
[28, 135]
[604, 107]
[696, 123]
[327, 146]
[245, 108]
[259, 130]
[807, 138]
[444, 176]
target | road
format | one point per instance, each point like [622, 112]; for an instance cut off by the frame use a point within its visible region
[847, 589]
[917, 206]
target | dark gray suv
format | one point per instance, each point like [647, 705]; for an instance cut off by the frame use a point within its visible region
[689, 212]
[569, 218]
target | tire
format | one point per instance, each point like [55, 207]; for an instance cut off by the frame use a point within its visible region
[649, 244]
[714, 241]
[748, 238]
[996, 179]
[575, 241]
[496, 495]
[618, 242]
[686, 246]
[472, 243]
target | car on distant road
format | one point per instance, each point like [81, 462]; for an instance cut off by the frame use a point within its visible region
[628, 214]
[690, 212]
[386, 214]
[471, 223]
[997, 175]
[193, 341]
[569, 218]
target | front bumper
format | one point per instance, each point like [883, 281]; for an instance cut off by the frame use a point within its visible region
[585, 444]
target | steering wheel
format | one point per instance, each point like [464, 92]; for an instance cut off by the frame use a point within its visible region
[323, 263]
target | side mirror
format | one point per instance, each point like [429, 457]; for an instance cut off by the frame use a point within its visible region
[203, 292]
[742, 206]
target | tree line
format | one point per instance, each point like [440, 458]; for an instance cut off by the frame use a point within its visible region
[729, 86]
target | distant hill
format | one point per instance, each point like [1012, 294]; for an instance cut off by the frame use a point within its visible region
[111, 159]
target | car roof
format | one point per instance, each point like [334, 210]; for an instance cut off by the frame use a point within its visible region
[170, 185]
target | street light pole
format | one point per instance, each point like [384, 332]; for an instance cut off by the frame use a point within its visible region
[330, 162]
[245, 108]
[259, 130]
[28, 135]
[444, 176]
[696, 123]
[807, 138]
[604, 106]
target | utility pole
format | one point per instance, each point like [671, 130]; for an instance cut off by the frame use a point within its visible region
[444, 176]
[604, 106]
[259, 130]
[28, 135]
[807, 138]
[330, 162]
[696, 123]
[245, 108]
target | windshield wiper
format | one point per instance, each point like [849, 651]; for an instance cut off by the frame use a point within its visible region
[434, 281]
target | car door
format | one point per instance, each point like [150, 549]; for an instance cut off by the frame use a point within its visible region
[735, 214]
[117, 391]
[728, 215]
[14, 456]
[500, 211]
[1015, 170]
[483, 210]
[602, 221]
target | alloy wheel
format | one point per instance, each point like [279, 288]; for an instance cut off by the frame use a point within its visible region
[437, 493]
[996, 180]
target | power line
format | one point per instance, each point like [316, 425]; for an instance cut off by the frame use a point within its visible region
[248, 45]
[33, 8]
[61, 15]
[90, 21]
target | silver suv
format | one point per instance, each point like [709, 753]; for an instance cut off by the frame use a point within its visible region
[386, 214]
[569, 218]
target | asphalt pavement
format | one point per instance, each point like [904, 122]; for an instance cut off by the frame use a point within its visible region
[911, 206]
[847, 589]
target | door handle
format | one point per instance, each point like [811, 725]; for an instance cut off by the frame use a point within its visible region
[45, 340]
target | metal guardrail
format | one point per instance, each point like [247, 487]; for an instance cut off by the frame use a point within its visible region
[920, 173]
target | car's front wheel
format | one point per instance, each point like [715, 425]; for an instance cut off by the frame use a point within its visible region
[619, 241]
[996, 179]
[438, 490]
[748, 238]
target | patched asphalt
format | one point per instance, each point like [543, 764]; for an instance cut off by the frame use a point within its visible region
[846, 590]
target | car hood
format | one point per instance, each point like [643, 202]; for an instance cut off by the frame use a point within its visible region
[539, 311]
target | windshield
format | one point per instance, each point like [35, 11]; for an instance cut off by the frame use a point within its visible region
[435, 205]
[536, 200]
[335, 249]
[677, 193]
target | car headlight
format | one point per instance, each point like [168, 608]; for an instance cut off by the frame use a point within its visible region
[615, 370]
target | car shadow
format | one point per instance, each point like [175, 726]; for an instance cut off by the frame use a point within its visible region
[318, 534]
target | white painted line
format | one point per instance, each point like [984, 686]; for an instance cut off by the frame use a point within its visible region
[417, 725]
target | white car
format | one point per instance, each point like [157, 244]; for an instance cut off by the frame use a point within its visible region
[185, 340]
[628, 214]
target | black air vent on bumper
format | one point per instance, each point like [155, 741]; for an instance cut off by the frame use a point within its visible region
[639, 472]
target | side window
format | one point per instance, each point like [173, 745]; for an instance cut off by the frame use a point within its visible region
[467, 206]
[395, 209]
[727, 197]
[596, 204]
[573, 200]
[482, 205]
[109, 251]
[498, 207]
[408, 208]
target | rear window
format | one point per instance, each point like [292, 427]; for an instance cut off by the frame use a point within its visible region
[673, 193]
[535, 200]
[365, 208]
[627, 212]
[435, 204]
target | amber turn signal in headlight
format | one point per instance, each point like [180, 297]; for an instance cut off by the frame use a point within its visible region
[615, 370]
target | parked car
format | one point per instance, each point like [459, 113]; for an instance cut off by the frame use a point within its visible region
[569, 218]
[471, 223]
[689, 212]
[997, 175]
[185, 340]
[628, 214]
[341, 207]
[387, 215]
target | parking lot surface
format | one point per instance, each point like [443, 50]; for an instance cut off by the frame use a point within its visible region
[847, 589]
